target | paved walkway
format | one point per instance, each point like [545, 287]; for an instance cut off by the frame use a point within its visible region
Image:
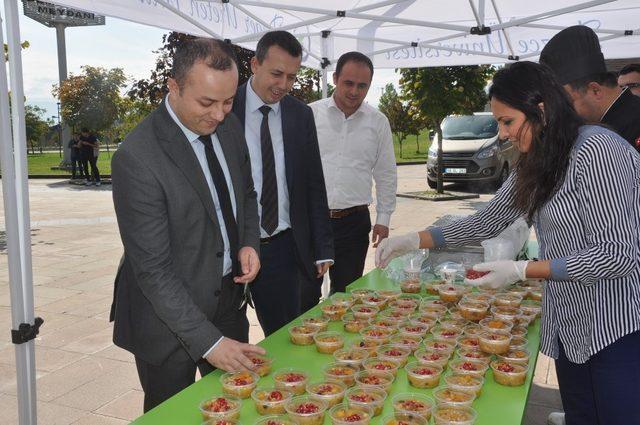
[82, 378]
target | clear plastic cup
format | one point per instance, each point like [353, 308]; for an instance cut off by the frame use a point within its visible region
[304, 410]
[239, 384]
[371, 398]
[415, 403]
[375, 379]
[349, 413]
[337, 372]
[509, 374]
[289, 379]
[221, 407]
[447, 396]
[331, 393]
[270, 401]
[423, 376]
[328, 342]
[452, 416]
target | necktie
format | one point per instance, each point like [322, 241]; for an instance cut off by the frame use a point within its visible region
[269, 195]
[222, 190]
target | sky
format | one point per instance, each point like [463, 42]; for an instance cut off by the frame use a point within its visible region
[117, 44]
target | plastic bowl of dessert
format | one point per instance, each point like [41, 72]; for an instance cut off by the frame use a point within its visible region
[509, 374]
[506, 313]
[239, 384]
[451, 397]
[320, 323]
[446, 334]
[261, 364]
[351, 356]
[468, 367]
[473, 310]
[441, 346]
[304, 410]
[423, 376]
[377, 333]
[379, 365]
[389, 294]
[411, 343]
[375, 300]
[328, 342]
[404, 418]
[301, 334]
[411, 286]
[518, 343]
[492, 324]
[452, 293]
[415, 403]
[292, 380]
[368, 344]
[396, 354]
[507, 300]
[348, 413]
[331, 393]
[451, 416]
[359, 294]
[337, 372]
[494, 342]
[353, 325]
[374, 379]
[371, 398]
[364, 312]
[221, 407]
[413, 329]
[468, 383]
[345, 300]
[275, 420]
[469, 343]
[432, 358]
[270, 401]
[333, 312]
[474, 355]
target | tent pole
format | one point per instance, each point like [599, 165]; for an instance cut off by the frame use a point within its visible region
[313, 21]
[13, 159]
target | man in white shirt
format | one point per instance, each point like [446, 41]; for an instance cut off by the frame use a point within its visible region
[296, 246]
[356, 147]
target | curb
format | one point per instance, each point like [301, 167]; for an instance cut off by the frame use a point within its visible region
[443, 197]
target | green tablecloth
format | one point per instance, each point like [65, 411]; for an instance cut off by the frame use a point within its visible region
[497, 405]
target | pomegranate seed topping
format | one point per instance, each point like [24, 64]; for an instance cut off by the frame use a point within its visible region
[306, 408]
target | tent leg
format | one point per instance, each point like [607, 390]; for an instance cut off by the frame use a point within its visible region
[325, 71]
[16, 206]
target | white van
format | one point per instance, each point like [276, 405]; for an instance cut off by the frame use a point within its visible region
[471, 151]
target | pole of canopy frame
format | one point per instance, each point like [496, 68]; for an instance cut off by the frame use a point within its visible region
[13, 160]
[325, 62]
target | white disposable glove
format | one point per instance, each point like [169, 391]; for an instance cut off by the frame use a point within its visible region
[501, 273]
[396, 246]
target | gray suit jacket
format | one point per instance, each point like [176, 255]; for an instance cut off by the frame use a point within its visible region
[165, 292]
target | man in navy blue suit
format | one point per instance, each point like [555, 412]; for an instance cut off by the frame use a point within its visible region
[296, 242]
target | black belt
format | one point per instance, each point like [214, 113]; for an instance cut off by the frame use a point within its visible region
[347, 211]
[274, 237]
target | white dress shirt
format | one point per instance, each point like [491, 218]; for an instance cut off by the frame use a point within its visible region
[199, 150]
[252, 123]
[354, 150]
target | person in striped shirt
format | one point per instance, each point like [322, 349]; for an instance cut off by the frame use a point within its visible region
[579, 185]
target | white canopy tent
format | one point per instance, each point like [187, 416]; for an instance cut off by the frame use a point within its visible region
[394, 33]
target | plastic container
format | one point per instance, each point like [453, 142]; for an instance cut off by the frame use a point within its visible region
[404, 418]
[328, 342]
[423, 376]
[418, 404]
[239, 384]
[261, 364]
[363, 312]
[494, 342]
[396, 354]
[333, 312]
[450, 397]
[270, 401]
[370, 398]
[432, 358]
[275, 420]
[302, 335]
[304, 410]
[497, 249]
[518, 356]
[330, 393]
[468, 367]
[353, 325]
[473, 310]
[375, 379]
[468, 383]
[411, 285]
[450, 416]
[389, 294]
[221, 407]
[351, 356]
[293, 380]
[318, 322]
[344, 414]
[337, 372]
[378, 365]
[509, 374]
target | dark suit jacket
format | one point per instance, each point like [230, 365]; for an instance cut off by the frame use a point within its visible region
[624, 117]
[172, 266]
[308, 211]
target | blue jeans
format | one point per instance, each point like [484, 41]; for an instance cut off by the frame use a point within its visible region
[606, 389]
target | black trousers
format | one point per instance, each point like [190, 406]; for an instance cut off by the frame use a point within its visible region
[310, 292]
[351, 241]
[606, 389]
[95, 173]
[276, 289]
[76, 168]
[161, 382]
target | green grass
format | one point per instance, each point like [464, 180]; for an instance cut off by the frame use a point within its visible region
[40, 164]
[409, 153]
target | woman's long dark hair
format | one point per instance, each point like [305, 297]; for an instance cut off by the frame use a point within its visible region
[542, 170]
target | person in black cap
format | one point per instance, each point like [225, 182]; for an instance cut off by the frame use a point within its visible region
[575, 57]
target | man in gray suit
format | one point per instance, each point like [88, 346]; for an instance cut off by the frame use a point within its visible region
[187, 213]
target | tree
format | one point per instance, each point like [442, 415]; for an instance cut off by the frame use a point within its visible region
[24, 45]
[91, 99]
[308, 85]
[397, 114]
[153, 89]
[438, 92]
[36, 125]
